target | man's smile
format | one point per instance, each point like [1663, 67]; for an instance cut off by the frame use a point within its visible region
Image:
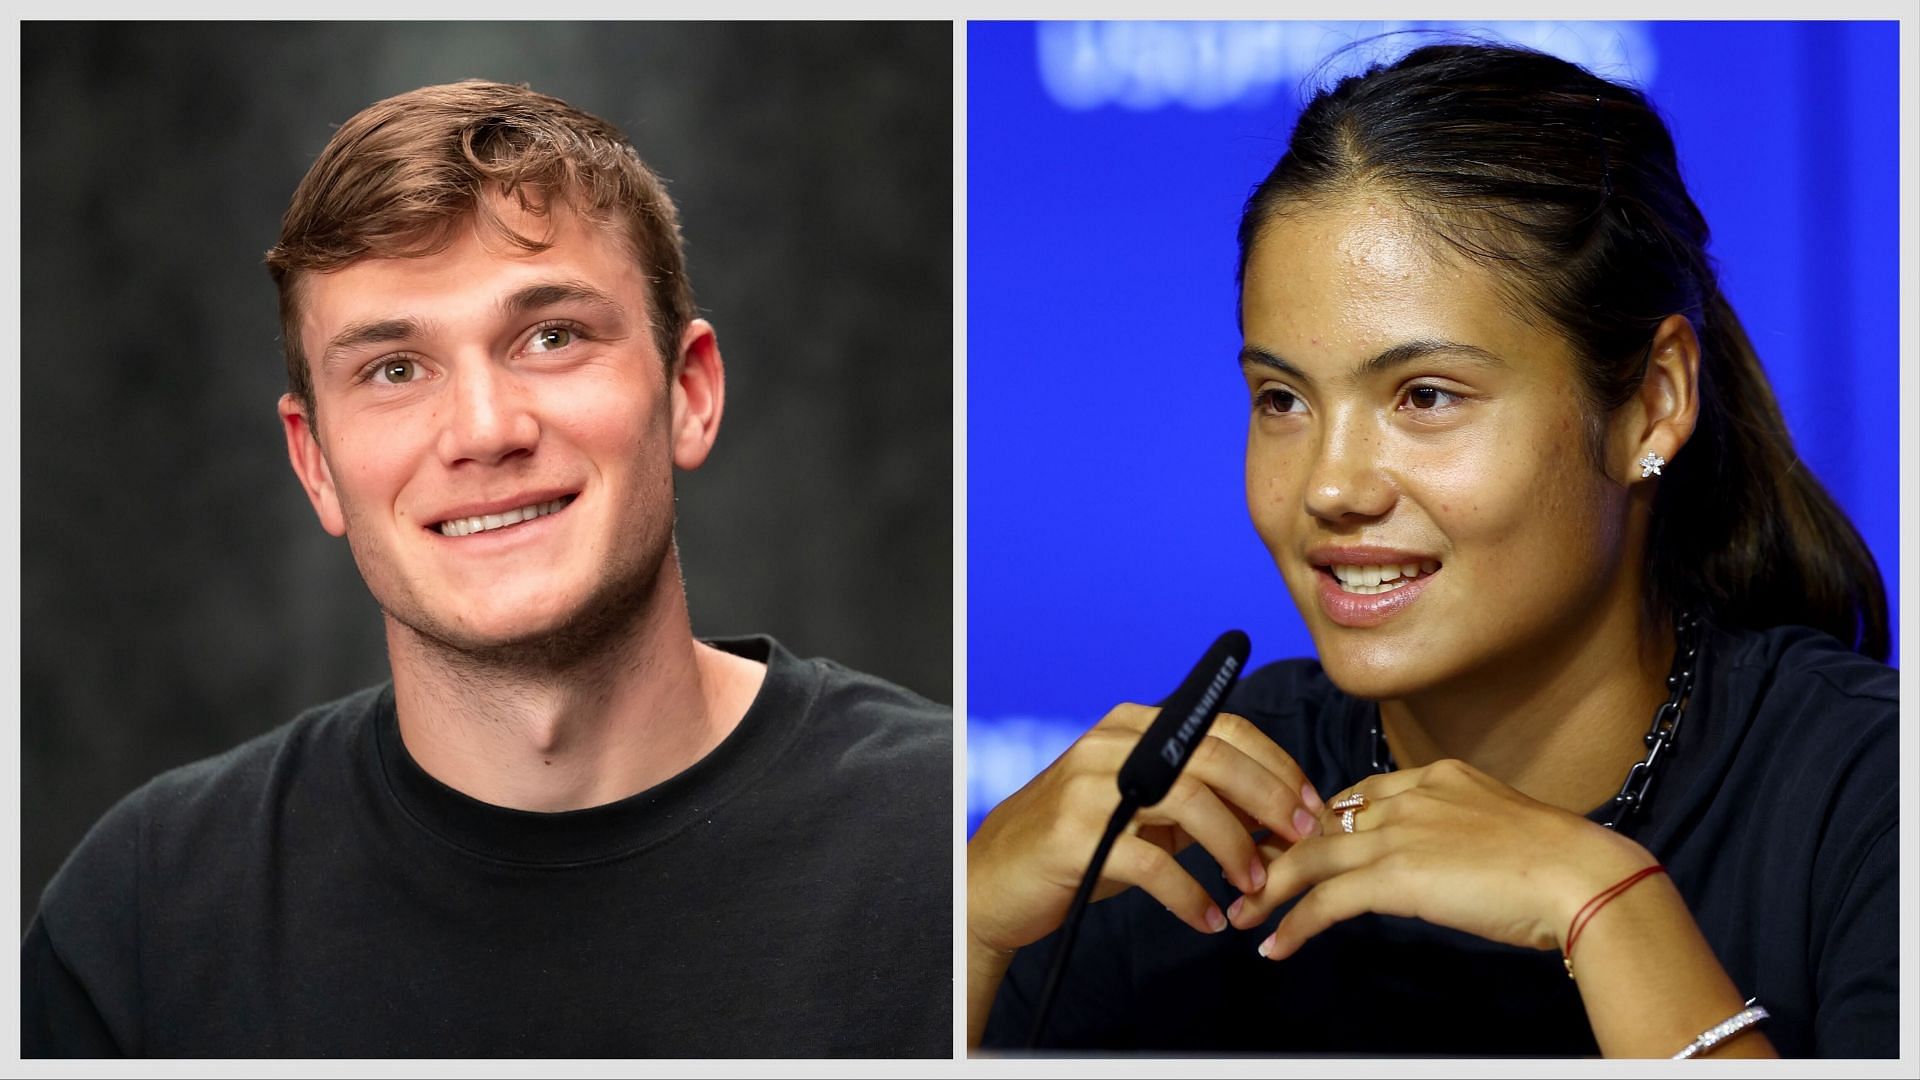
[468, 521]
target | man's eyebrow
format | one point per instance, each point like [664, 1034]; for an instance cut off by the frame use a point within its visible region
[534, 297]
[1404, 353]
[375, 332]
[548, 294]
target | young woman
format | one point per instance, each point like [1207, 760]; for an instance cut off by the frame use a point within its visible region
[1598, 746]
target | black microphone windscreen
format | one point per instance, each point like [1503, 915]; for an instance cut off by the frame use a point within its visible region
[1162, 752]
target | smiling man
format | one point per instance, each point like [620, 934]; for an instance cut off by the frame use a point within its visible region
[567, 827]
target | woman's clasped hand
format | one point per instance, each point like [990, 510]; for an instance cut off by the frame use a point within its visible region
[1447, 844]
[1444, 843]
[1030, 853]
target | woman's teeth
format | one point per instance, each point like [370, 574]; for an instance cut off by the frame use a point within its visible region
[469, 526]
[1385, 577]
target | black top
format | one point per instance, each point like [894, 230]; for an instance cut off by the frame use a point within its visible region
[315, 893]
[1776, 816]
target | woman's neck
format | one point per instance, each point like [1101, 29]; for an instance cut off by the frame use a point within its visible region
[1560, 721]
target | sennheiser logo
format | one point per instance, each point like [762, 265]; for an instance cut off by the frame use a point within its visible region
[1175, 751]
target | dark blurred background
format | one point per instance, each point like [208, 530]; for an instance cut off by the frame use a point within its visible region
[178, 595]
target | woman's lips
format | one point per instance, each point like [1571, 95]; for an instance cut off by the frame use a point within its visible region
[1357, 610]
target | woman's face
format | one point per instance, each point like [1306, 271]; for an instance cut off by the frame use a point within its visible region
[1417, 462]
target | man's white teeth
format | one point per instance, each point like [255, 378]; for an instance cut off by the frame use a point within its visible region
[469, 526]
[1384, 577]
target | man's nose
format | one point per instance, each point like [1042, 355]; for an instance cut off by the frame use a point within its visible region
[489, 418]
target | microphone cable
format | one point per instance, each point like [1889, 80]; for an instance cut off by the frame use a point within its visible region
[1145, 778]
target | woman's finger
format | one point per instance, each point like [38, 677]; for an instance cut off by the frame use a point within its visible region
[1128, 716]
[1272, 799]
[1251, 741]
[1370, 888]
[1303, 866]
[1134, 861]
[1197, 810]
[1237, 760]
[1377, 790]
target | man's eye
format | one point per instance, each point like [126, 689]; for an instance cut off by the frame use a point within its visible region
[394, 371]
[551, 338]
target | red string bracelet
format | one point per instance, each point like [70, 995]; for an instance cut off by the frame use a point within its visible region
[1593, 906]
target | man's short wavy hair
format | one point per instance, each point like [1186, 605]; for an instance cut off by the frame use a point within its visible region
[405, 175]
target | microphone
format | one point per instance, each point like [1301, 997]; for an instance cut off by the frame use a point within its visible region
[1146, 777]
[1186, 715]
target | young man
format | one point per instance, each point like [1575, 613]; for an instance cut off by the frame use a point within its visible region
[567, 827]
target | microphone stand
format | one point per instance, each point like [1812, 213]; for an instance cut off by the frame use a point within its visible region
[1118, 822]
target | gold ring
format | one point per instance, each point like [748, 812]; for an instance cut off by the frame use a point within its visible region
[1348, 807]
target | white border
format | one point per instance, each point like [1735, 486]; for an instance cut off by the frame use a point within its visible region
[959, 538]
[1908, 587]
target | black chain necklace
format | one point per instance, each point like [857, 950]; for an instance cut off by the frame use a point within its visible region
[1662, 735]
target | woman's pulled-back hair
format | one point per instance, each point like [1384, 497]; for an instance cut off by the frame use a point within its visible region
[1567, 187]
[403, 176]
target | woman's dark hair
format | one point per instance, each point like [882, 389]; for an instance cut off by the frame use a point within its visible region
[1567, 186]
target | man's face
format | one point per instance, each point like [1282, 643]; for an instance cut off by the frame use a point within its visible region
[496, 431]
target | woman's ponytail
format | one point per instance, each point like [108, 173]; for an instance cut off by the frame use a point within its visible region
[1742, 527]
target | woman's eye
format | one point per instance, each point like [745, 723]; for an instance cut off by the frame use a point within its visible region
[1276, 402]
[551, 338]
[394, 371]
[1431, 397]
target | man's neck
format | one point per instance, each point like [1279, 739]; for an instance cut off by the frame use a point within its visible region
[606, 727]
[1562, 723]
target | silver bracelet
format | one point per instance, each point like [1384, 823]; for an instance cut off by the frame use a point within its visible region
[1724, 1030]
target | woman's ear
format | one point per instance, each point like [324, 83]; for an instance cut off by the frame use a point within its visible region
[1660, 417]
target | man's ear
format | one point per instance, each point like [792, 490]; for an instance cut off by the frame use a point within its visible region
[699, 391]
[1660, 417]
[310, 465]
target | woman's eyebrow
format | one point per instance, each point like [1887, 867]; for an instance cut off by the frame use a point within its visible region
[1404, 353]
[1408, 351]
[1254, 355]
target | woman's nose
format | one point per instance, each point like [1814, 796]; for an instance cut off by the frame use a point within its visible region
[1345, 479]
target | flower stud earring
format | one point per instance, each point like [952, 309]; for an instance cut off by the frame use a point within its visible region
[1650, 464]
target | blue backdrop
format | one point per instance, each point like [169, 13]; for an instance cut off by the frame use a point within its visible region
[1108, 539]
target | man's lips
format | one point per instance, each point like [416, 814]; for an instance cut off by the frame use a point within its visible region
[501, 513]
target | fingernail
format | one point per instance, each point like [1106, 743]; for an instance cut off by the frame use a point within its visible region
[1266, 948]
[1258, 872]
[1233, 912]
[1216, 921]
[1304, 823]
[1312, 797]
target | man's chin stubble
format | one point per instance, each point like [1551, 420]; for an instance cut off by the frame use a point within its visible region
[598, 632]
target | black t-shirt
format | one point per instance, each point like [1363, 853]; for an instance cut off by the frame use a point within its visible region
[315, 893]
[1776, 816]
